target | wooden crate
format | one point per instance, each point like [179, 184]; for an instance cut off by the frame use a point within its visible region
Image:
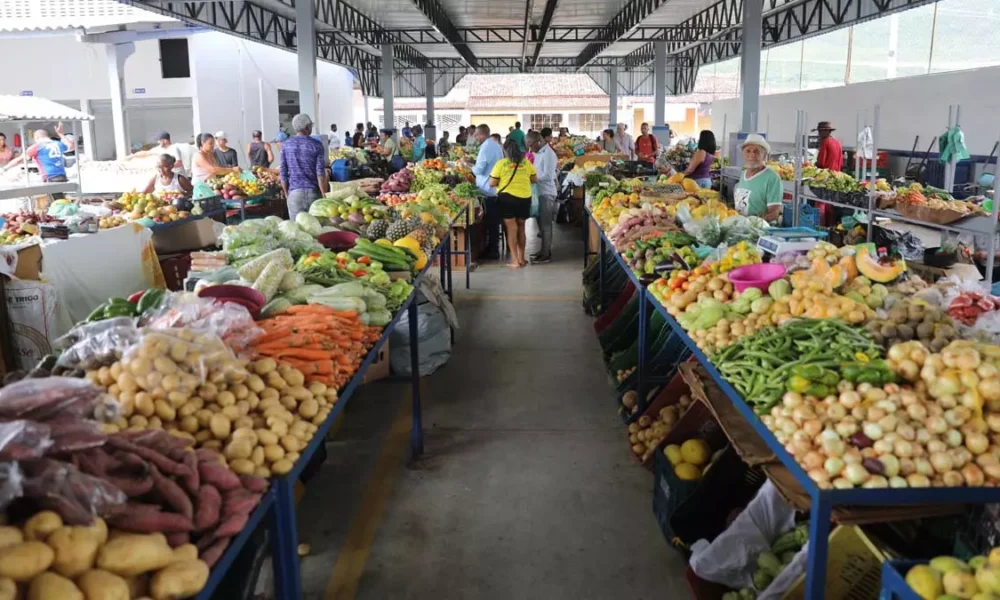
[458, 245]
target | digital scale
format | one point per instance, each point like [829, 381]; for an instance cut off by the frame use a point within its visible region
[789, 239]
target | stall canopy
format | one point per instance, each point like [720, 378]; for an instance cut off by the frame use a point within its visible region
[31, 108]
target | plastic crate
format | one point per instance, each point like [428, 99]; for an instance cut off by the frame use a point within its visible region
[727, 486]
[620, 302]
[894, 586]
[853, 567]
[340, 170]
[175, 270]
[808, 216]
[210, 204]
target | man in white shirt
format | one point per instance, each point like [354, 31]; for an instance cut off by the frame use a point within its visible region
[335, 140]
[183, 158]
[625, 143]
[490, 153]
[548, 179]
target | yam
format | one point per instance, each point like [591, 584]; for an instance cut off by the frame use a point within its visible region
[98, 584]
[41, 525]
[178, 539]
[24, 561]
[179, 580]
[130, 555]
[51, 586]
[152, 522]
[257, 485]
[75, 550]
[231, 526]
[240, 505]
[171, 493]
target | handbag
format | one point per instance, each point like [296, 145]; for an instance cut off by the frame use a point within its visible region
[534, 202]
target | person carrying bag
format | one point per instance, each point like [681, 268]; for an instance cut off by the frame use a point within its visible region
[513, 177]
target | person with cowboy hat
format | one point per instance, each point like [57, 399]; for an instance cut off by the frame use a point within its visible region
[758, 193]
[831, 154]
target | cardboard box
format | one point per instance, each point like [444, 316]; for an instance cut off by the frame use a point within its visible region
[194, 235]
[29, 263]
[379, 369]
[586, 158]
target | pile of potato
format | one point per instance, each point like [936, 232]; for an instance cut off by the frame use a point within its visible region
[259, 415]
[42, 559]
[648, 432]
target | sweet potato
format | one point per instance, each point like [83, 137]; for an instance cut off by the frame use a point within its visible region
[128, 460]
[242, 504]
[152, 522]
[209, 506]
[130, 555]
[24, 561]
[51, 585]
[219, 476]
[205, 541]
[160, 461]
[231, 526]
[133, 485]
[253, 483]
[206, 455]
[214, 552]
[192, 481]
[171, 493]
[98, 584]
[179, 580]
[75, 548]
[176, 540]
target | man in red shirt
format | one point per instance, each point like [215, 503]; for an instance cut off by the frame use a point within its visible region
[831, 154]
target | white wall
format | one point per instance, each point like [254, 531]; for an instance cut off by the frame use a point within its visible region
[908, 107]
[235, 65]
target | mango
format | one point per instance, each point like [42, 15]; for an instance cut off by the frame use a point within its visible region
[696, 452]
[925, 581]
[993, 557]
[673, 454]
[988, 579]
[947, 564]
[687, 472]
[977, 562]
[960, 583]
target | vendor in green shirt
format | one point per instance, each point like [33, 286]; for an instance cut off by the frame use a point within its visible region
[517, 135]
[759, 191]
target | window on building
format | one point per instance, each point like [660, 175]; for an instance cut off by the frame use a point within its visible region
[588, 123]
[782, 69]
[824, 60]
[540, 120]
[914, 29]
[966, 35]
[174, 59]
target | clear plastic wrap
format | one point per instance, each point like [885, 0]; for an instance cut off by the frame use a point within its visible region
[21, 440]
[739, 229]
[62, 488]
[10, 483]
[44, 399]
[85, 330]
[708, 230]
[230, 322]
[97, 346]
[71, 435]
[248, 233]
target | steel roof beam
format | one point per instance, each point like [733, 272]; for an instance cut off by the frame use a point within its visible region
[631, 15]
[543, 30]
[554, 34]
[437, 16]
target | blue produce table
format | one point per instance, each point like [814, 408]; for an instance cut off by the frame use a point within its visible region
[279, 501]
[822, 501]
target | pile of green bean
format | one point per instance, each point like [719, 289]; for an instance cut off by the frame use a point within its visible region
[758, 365]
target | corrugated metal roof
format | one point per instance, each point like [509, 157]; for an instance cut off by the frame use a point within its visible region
[20, 16]
[30, 108]
[529, 84]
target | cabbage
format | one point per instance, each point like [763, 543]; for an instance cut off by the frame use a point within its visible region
[308, 223]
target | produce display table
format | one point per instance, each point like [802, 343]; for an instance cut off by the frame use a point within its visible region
[822, 501]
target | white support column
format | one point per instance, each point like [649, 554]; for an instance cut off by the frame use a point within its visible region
[613, 97]
[431, 126]
[305, 25]
[387, 108]
[750, 64]
[660, 129]
[87, 133]
[116, 54]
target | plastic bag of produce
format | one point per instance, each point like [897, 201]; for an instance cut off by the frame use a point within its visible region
[252, 270]
[97, 346]
[230, 322]
[84, 330]
[10, 483]
[291, 280]
[738, 229]
[62, 488]
[20, 440]
[433, 341]
[43, 399]
[731, 558]
[240, 255]
[182, 359]
[72, 435]
[308, 223]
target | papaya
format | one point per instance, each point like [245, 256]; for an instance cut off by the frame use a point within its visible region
[849, 266]
[690, 186]
[676, 178]
[870, 267]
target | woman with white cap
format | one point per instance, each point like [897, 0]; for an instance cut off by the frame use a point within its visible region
[759, 191]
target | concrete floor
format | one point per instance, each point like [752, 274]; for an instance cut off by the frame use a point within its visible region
[526, 489]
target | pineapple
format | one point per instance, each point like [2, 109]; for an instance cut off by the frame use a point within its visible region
[423, 234]
[396, 231]
[378, 229]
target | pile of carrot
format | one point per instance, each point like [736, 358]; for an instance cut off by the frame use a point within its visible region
[327, 345]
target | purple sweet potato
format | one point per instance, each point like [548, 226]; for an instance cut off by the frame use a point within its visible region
[241, 505]
[255, 484]
[151, 522]
[231, 526]
[213, 553]
[219, 476]
[171, 493]
[209, 506]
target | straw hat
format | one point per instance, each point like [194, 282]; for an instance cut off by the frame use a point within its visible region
[755, 139]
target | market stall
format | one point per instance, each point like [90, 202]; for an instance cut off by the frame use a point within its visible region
[826, 383]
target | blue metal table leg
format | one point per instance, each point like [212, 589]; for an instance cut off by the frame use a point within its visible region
[451, 290]
[600, 276]
[468, 243]
[446, 281]
[416, 431]
[442, 256]
[819, 534]
[586, 245]
[284, 535]
[643, 334]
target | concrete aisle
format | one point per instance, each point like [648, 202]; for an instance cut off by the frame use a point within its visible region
[526, 490]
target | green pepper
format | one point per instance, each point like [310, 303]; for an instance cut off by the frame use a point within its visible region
[829, 378]
[888, 377]
[872, 376]
[798, 383]
[818, 390]
[810, 372]
[850, 372]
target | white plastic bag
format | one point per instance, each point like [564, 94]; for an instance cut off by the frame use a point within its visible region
[787, 577]
[731, 558]
[32, 309]
[433, 341]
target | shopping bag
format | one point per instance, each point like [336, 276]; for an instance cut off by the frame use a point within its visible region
[534, 202]
[203, 190]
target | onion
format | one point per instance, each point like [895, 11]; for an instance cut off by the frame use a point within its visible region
[908, 397]
[872, 430]
[891, 388]
[936, 445]
[908, 370]
[896, 353]
[973, 426]
[850, 399]
[842, 483]
[936, 425]
[960, 456]
[812, 427]
[977, 443]
[923, 467]
[953, 438]
[852, 455]
[836, 412]
[859, 413]
[989, 388]
[987, 459]
[860, 440]
[973, 475]
[845, 386]
[941, 461]
[873, 465]
[917, 412]
[993, 422]
[934, 409]
[856, 473]
[875, 394]
[890, 464]
[923, 436]
[812, 460]
[882, 446]
[792, 399]
[953, 479]
[846, 427]
[875, 413]
[818, 475]
[918, 480]
[992, 471]
[987, 371]
[834, 447]
[906, 467]
[897, 482]
[906, 431]
[888, 405]
[800, 447]
[876, 481]
[888, 423]
[902, 449]
[788, 426]
[834, 466]
[969, 379]
[864, 388]
[868, 453]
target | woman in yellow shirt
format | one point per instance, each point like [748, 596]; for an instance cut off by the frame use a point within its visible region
[512, 176]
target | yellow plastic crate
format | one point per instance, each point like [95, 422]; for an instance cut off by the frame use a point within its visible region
[853, 568]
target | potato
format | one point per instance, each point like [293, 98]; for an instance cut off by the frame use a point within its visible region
[291, 443]
[144, 404]
[8, 589]
[273, 452]
[245, 433]
[98, 529]
[241, 448]
[190, 407]
[179, 580]
[225, 399]
[253, 400]
[255, 383]
[50, 586]
[129, 555]
[208, 391]
[257, 456]
[121, 422]
[177, 399]
[231, 412]
[243, 423]
[185, 552]
[41, 525]
[10, 536]
[204, 416]
[277, 426]
[282, 466]
[309, 408]
[75, 548]
[276, 381]
[269, 393]
[182, 435]
[317, 388]
[154, 423]
[24, 561]
[202, 436]
[292, 456]
[189, 424]
[212, 444]
[294, 377]
[138, 422]
[266, 437]
[220, 426]
[264, 366]
[319, 419]
[242, 466]
[240, 391]
[289, 402]
[98, 584]
[259, 472]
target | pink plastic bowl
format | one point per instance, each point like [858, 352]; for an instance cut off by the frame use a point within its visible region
[338, 241]
[758, 276]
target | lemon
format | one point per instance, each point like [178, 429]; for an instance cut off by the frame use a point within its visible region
[696, 452]
[687, 472]
[925, 581]
[673, 454]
